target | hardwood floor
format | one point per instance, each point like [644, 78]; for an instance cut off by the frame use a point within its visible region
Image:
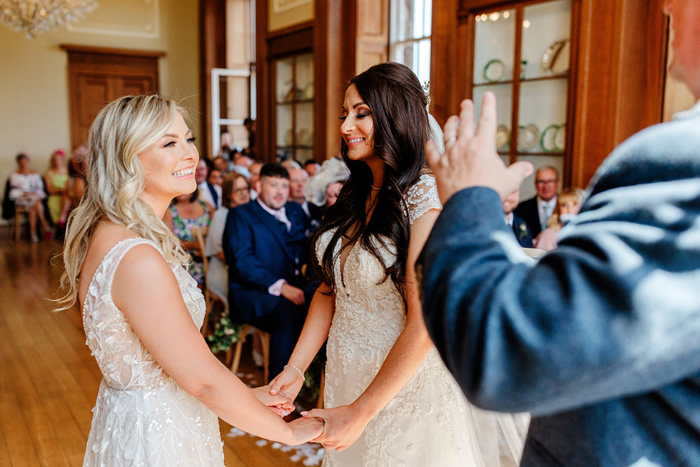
[49, 380]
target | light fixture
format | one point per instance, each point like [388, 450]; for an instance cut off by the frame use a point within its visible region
[38, 16]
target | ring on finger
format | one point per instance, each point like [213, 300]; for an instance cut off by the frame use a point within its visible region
[450, 140]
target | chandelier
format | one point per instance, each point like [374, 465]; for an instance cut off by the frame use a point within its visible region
[38, 16]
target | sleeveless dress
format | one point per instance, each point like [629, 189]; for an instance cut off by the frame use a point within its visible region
[55, 202]
[429, 422]
[142, 417]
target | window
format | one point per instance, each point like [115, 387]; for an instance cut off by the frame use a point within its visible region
[410, 30]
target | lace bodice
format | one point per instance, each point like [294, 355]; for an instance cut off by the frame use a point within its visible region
[124, 361]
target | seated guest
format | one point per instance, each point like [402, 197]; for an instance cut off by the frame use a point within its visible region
[297, 183]
[323, 188]
[27, 191]
[77, 182]
[242, 163]
[254, 178]
[215, 177]
[222, 164]
[235, 192]
[312, 166]
[187, 211]
[537, 210]
[290, 164]
[517, 225]
[265, 245]
[567, 207]
[56, 179]
[208, 192]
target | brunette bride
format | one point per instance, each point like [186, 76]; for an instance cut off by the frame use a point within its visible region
[389, 400]
[162, 388]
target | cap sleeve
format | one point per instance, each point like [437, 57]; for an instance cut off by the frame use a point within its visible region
[421, 197]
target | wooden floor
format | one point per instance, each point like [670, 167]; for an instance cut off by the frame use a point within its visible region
[49, 380]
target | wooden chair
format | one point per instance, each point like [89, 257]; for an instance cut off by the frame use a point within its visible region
[265, 341]
[210, 298]
[17, 222]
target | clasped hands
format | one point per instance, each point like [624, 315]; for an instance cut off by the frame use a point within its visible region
[342, 425]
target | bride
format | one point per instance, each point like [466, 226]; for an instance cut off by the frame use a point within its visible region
[162, 388]
[389, 400]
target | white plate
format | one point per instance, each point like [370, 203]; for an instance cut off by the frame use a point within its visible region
[494, 70]
[528, 137]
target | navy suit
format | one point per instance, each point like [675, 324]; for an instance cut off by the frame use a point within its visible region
[259, 251]
[528, 212]
[522, 232]
[599, 339]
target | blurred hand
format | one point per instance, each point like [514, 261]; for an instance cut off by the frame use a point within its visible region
[278, 403]
[293, 294]
[305, 430]
[288, 382]
[343, 426]
[472, 159]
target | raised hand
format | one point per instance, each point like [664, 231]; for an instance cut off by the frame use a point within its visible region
[305, 430]
[343, 426]
[288, 382]
[470, 157]
[278, 402]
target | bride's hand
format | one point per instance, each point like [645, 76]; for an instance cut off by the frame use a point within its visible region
[288, 382]
[305, 430]
[343, 426]
[278, 403]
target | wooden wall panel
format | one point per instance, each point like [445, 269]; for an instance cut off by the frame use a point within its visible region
[372, 34]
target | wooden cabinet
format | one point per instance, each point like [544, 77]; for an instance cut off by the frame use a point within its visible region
[611, 88]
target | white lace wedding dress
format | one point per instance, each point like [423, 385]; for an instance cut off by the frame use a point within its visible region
[429, 422]
[142, 417]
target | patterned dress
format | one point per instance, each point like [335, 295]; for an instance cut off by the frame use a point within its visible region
[141, 416]
[429, 422]
[182, 227]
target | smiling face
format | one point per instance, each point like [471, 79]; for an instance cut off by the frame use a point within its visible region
[685, 22]
[169, 165]
[547, 184]
[569, 205]
[332, 193]
[240, 194]
[357, 126]
[201, 173]
[274, 191]
[297, 182]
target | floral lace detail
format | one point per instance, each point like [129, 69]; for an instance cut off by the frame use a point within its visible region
[427, 422]
[141, 416]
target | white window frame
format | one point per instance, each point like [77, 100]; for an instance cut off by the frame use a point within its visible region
[393, 27]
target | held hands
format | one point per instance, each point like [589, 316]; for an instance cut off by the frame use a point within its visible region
[288, 382]
[343, 426]
[278, 402]
[293, 294]
[305, 430]
[470, 157]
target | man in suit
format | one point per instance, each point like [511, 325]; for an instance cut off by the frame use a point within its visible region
[537, 210]
[208, 192]
[297, 182]
[516, 224]
[265, 245]
[599, 339]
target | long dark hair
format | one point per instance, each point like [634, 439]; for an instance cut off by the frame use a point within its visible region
[401, 129]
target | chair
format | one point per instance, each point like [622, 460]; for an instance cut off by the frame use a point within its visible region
[265, 341]
[210, 298]
[17, 222]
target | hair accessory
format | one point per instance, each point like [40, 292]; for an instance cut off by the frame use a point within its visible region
[300, 372]
[375, 188]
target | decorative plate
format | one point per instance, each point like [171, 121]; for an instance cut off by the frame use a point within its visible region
[555, 59]
[289, 137]
[560, 138]
[502, 137]
[309, 91]
[494, 70]
[547, 139]
[304, 137]
[287, 92]
[528, 137]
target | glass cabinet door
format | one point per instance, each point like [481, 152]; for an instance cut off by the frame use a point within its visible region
[522, 55]
[294, 107]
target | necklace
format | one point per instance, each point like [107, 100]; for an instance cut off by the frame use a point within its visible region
[375, 188]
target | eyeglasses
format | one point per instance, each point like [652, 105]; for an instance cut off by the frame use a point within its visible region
[240, 190]
[546, 182]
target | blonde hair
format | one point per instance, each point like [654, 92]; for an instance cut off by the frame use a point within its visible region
[122, 130]
[575, 194]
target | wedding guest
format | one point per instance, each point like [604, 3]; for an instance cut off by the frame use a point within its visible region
[56, 179]
[235, 192]
[537, 210]
[517, 225]
[242, 163]
[290, 164]
[77, 182]
[599, 338]
[187, 211]
[388, 397]
[162, 388]
[255, 178]
[208, 192]
[222, 165]
[27, 191]
[323, 188]
[215, 177]
[312, 166]
[265, 245]
[567, 207]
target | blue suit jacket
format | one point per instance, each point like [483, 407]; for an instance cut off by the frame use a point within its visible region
[599, 339]
[259, 251]
[521, 232]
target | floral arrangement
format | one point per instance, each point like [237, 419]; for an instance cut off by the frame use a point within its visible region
[225, 335]
[522, 228]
